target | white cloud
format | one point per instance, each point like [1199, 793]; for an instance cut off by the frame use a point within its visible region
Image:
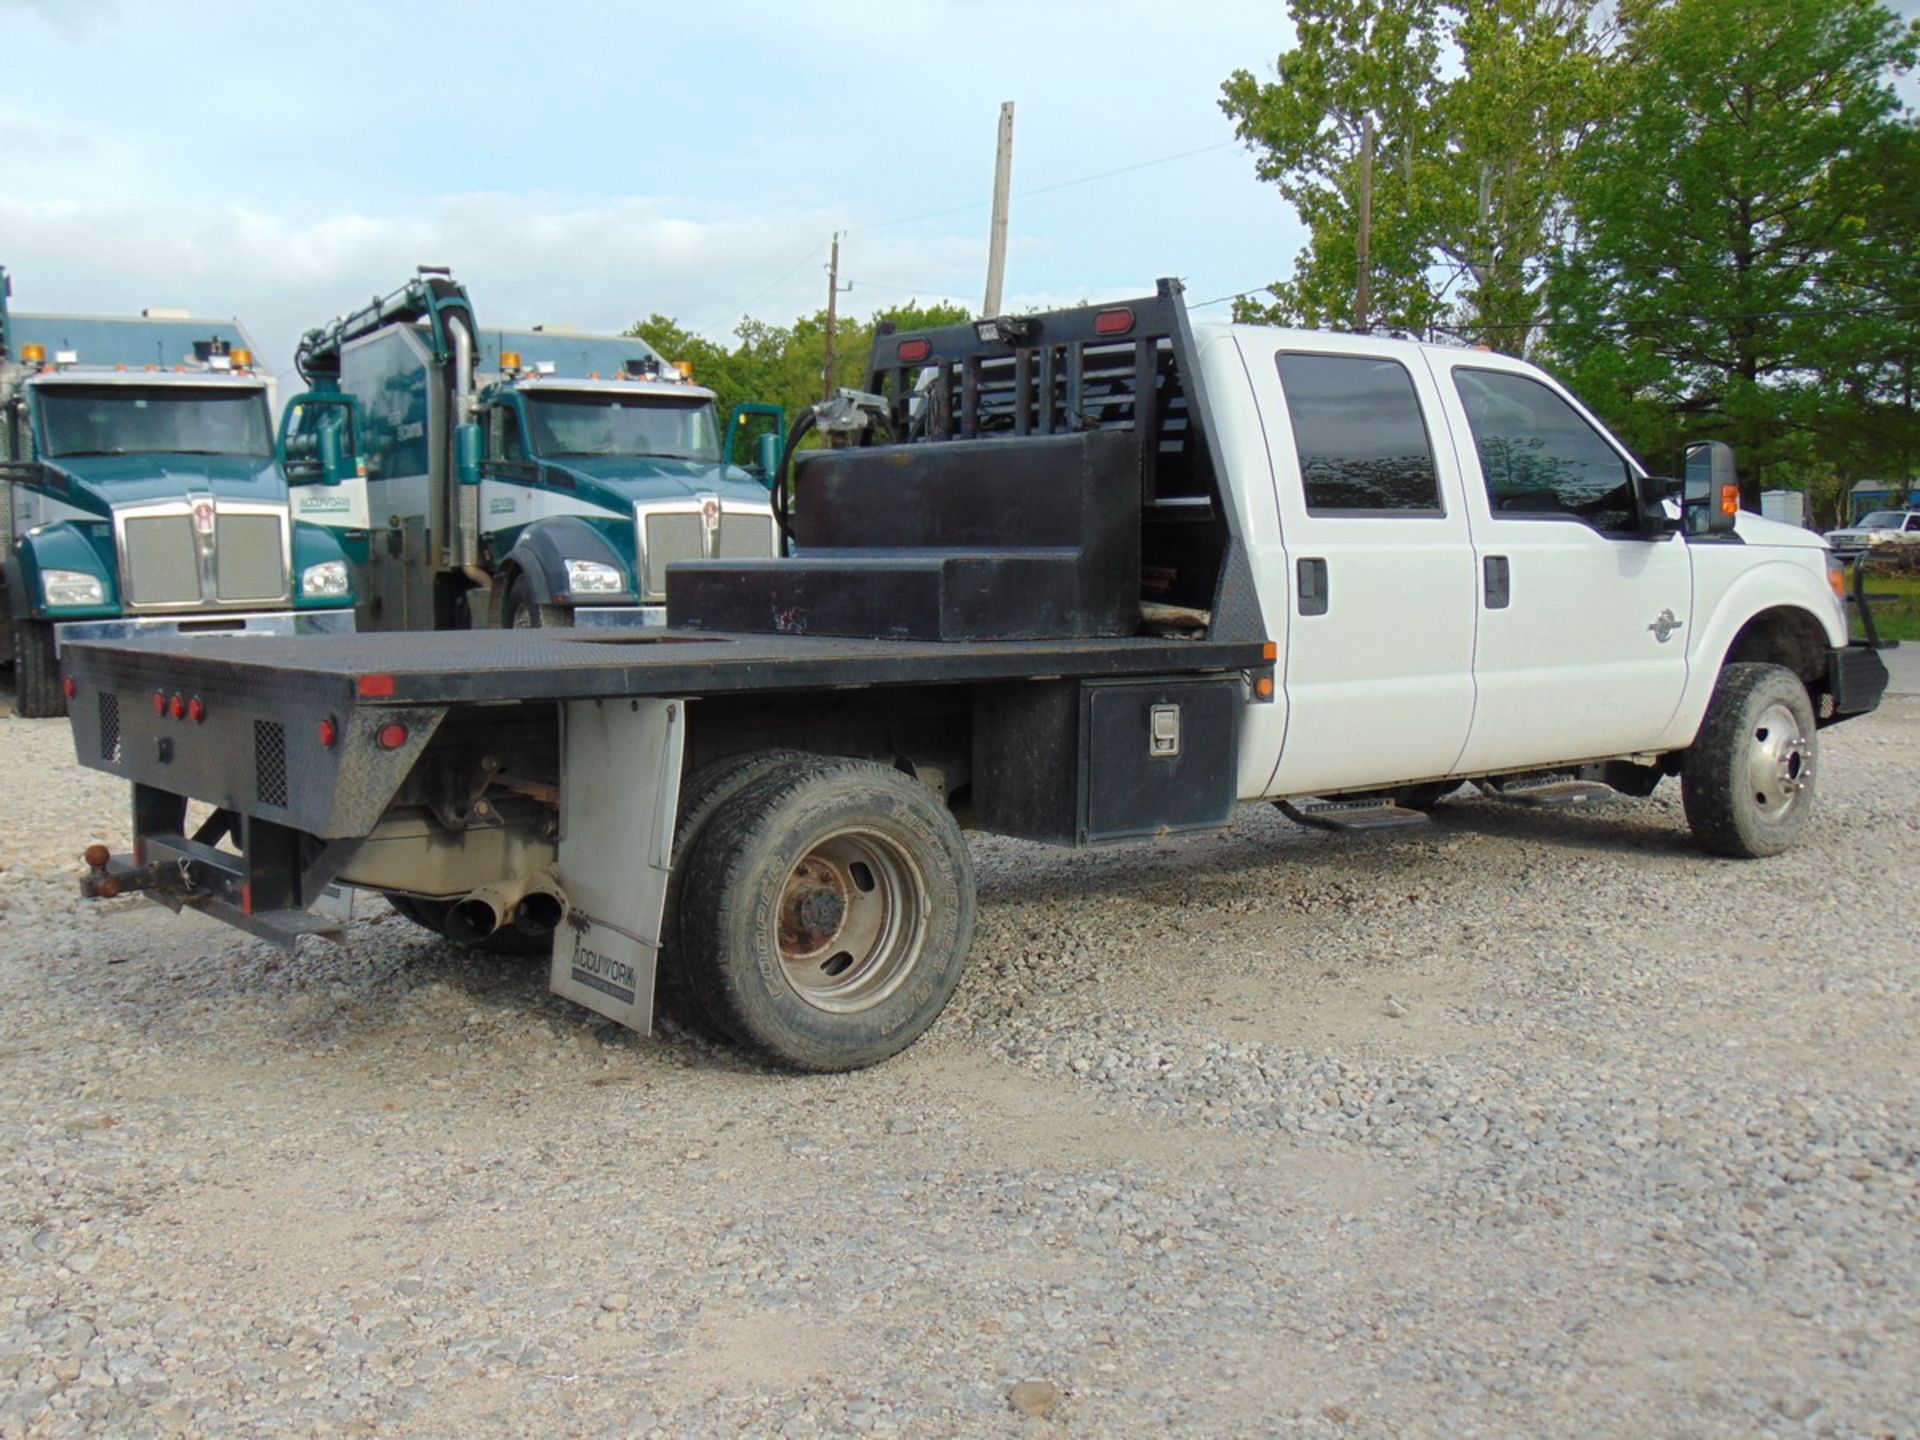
[525, 258]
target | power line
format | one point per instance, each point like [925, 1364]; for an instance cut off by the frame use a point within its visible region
[785, 275]
[1047, 189]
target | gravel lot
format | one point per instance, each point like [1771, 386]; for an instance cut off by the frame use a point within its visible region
[1526, 1123]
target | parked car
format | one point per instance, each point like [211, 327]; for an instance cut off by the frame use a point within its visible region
[1879, 527]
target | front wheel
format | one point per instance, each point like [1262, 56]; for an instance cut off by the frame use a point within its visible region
[37, 688]
[826, 913]
[1748, 781]
[526, 612]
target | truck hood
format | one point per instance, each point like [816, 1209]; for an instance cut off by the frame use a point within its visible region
[101, 482]
[1758, 530]
[628, 479]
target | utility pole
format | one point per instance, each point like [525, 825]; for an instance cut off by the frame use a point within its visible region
[1360, 286]
[997, 236]
[834, 287]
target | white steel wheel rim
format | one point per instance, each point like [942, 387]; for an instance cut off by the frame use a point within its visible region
[852, 921]
[1779, 764]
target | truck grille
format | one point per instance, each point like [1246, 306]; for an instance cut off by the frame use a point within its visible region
[166, 560]
[670, 538]
[745, 537]
[163, 567]
[246, 551]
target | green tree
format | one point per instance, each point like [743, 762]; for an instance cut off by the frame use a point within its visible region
[1469, 169]
[1731, 226]
[786, 364]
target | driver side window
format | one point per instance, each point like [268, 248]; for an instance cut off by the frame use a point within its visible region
[1539, 456]
[512, 448]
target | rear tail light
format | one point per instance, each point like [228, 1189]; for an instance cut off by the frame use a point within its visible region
[329, 732]
[392, 735]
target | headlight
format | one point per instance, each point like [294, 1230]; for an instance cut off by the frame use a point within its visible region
[72, 587]
[590, 577]
[326, 581]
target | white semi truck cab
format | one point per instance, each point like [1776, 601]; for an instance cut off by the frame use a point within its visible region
[1090, 576]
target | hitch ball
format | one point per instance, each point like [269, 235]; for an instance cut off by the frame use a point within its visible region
[97, 884]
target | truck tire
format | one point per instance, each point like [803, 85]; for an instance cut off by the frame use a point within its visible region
[826, 914]
[432, 915]
[1747, 782]
[525, 610]
[37, 692]
[701, 794]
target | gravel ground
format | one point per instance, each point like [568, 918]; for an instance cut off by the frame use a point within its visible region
[1527, 1123]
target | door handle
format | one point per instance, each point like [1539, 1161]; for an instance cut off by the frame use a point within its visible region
[1311, 575]
[1499, 581]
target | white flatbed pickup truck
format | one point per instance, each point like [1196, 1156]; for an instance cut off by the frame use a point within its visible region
[1091, 575]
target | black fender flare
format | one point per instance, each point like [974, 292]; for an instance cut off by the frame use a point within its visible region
[542, 550]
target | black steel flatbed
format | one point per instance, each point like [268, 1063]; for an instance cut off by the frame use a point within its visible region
[504, 666]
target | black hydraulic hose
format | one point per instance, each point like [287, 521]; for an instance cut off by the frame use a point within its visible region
[796, 432]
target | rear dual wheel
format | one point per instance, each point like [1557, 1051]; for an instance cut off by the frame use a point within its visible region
[825, 913]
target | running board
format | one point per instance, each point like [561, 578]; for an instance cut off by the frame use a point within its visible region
[1351, 816]
[1547, 791]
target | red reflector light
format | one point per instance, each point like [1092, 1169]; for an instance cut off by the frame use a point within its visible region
[376, 687]
[159, 703]
[392, 735]
[196, 710]
[71, 688]
[329, 732]
[178, 708]
[1113, 322]
[914, 351]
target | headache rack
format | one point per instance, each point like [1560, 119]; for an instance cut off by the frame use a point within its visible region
[1128, 365]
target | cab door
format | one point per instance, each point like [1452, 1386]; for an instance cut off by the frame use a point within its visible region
[1584, 610]
[1379, 567]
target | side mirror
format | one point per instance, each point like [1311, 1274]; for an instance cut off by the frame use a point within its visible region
[333, 461]
[1712, 489]
[469, 445]
[767, 460]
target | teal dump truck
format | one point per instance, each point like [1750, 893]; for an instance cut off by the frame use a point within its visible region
[144, 494]
[523, 477]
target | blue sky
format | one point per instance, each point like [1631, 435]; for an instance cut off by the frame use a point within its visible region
[594, 162]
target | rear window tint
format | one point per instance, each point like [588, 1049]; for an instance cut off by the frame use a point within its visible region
[1361, 438]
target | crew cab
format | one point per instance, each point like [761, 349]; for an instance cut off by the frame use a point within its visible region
[1095, 575]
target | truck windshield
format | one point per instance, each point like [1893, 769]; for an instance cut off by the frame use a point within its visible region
[1883, 520]
[127, 420]
[592, 423]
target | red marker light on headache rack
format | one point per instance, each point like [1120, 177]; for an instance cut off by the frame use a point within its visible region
[913, 351]
[392, 735]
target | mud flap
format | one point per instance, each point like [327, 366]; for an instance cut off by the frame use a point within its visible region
[619, 798]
